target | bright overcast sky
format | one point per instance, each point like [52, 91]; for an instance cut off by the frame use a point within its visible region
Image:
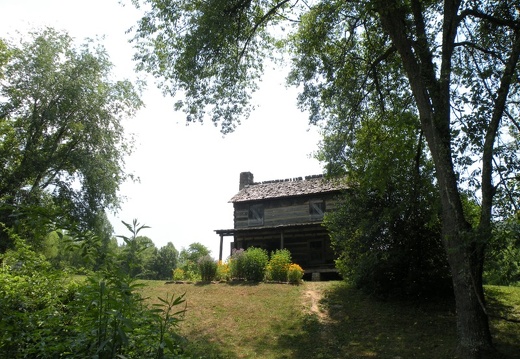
[188, 173]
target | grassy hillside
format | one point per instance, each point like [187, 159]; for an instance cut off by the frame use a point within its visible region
[325, 320]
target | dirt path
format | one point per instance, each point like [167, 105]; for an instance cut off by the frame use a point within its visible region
[312, 296]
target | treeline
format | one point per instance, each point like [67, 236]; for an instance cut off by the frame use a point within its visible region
[139, 257]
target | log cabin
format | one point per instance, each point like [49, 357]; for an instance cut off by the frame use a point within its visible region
[286, 214]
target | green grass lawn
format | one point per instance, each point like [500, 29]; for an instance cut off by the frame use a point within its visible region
[325, 320]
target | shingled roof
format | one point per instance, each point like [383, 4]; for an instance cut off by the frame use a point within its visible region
[287, 188]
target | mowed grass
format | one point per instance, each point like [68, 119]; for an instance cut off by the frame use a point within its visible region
[325, 320]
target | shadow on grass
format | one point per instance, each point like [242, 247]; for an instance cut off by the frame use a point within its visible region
[205, 347]
[353, 325]
[499, 307]
[504, 320]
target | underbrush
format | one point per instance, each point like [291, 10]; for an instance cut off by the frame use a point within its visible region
[46, 314]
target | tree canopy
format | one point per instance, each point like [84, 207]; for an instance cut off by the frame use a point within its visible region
[62, 144]
[453, 64]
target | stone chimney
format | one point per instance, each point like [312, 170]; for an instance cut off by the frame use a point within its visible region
[246, 179]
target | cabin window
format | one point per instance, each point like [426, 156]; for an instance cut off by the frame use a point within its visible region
[316, 209]
[256, 215]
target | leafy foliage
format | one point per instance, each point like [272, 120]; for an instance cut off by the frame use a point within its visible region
[32, 306]
[279, 265]
[62, 145]
[47, 315]
[502, 266]
[255, 264]
[131, 256]
[211, 51]
[189, 257]
[164, 261]
[386, 229]
[178, 274]
[295, 274]
[207, 268]
[237, 263]
[250, 264]
[223, 271]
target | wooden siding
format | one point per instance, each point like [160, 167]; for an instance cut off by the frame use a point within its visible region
[280, 211]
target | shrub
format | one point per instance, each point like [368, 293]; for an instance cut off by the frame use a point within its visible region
[207, 268]
[46, 315]
[32, 307]
[237, 264]
[178, 274]
[295, 274]
[189, 275]
[255, 263]
[279, 265]
[223, 271]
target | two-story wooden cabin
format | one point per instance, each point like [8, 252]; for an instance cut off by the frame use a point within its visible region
[285, 214]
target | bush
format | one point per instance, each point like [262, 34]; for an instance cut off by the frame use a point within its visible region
[178, 274]
[46, 315]
[223, 271]
[207, 268]
[279, 265]
[32, 306]
[295, 274]
[385, 253]
[255, 263]
[237, 264]
[189, 275]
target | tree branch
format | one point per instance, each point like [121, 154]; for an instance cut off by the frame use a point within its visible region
[504, 184]
[264, 18]
[512, 119]
[498, 112]
[494, 20]
[481, 49]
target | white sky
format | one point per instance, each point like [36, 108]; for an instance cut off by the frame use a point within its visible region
[188, 173]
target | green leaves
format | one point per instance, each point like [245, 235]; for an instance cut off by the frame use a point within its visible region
[210, 52]
[62, 142]
[134, 228]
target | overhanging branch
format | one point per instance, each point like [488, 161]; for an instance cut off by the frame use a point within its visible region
[262, 20]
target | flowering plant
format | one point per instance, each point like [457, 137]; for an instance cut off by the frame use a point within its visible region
[295, 274]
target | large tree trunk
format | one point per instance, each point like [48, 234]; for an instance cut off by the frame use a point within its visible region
[465, 252]
[472, 320]
[463, 246]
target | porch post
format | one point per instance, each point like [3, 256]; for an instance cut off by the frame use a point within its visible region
[221, 243]
[281, 240]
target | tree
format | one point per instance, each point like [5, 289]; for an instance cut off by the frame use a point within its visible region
[188, 258]
[165, 261]
[454, 64]
[62, 145]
